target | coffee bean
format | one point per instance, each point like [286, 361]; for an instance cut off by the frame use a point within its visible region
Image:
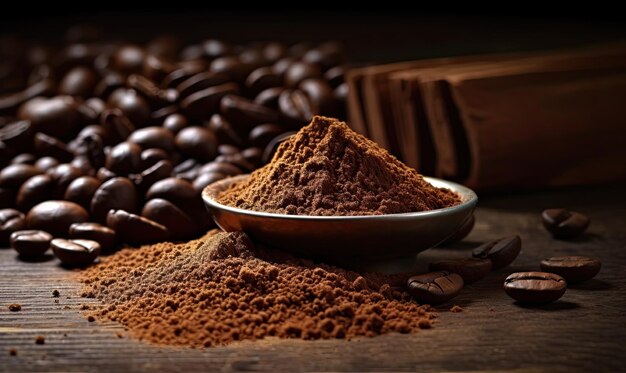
[14, 175]
[155, 96]
[204, 179]
[24, 158]
[237, 160]
[172, 189]
[269, 97]
[48, 146]
[462, 232]
[178, 223]
[572, 268]
[283, 64]
[221, 167]
[299, 71]
[501, 252]
[184, 72]
[470, 269]
[124, 158]
[325, 56]
[535, 287]
[46, 163]
[263, 78]
[202, 104]
[253, 155]
[273, 51]
[80, 81]
[175, 122]
[153, 137]
[150, 157]
[9, 103]
[134, 229]
[155, 67]
[227, 149]
[232, 66]
[34, 190]
[335, 76]
[216, 48]
[81, 190]
[563, 223]
[11, 220]
[200, 81]
[197, 142]
[109, 83]
[128, 59]
[57, 116]
[116, 124]
[149, 176]
[272, 146]
[17, 134]
[91, 146]
[55, 217]
[321, 95]
[103, 235]
[133, 105]
[262, 134]
[246, 113]
[63, 175]
[75, 252]
[116, 193]
[105, 174]
[435, 287]
[30, 243]
[224, 131]
[296, 105]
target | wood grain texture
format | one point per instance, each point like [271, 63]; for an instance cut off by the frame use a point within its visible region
[584, 331]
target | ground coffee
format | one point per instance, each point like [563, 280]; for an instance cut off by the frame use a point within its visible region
[220, 288]
[328, 169]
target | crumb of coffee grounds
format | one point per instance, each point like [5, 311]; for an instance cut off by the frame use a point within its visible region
[456, 309]
[15, 307]
[328, 169]
[13, 351]
[90, 318]
[55, 293]
[220, 289]
[40, 339]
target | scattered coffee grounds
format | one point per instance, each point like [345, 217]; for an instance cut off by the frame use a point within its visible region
[15, 307]
[220, 289]
[40, 339]
[456, 309]
[13, 351]
[55, 293]
[328, 169]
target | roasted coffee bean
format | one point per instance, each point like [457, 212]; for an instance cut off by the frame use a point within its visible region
[201, 81]
[81, 190]
[109, 83]
[14, 175]
[253, 155]
[227, 149]
[128, 59]
[202, 104]
[274, 51]
[34, 190]
[11, 220]
[252, 58]
[91, 146]
[572, 268]
[161, 170]
[46, 163]
[150, 157]
[435, 287]
[75, 252]
[325, 56]
[283, 64]
[335, 76]
[124, 158]
[184, 72]
[221, 167]
[204, 179]
[156, 68]
[172, 189]
[296, 105]
[224, 131]
[321, 95]
[501, 252]
[156, 96]
[49, 146]
[270, 149]
[24, 158]
[63, 175]
[116, 124]
[104, 174]
[95, 130]
[269, 97]
[134, 229]
[197, 142]
[57, 116]
[9, 103]
[263, 78]
[471, 269]
[535, 287]
[216, 48]
[116, 193]
[563, 223]
[82, 163]
[175, 122]
[236, 159]
[299, 71]
[153, 137]
[262, 134]
[103, 235]
[132, 105]
[246, 113]
[185, 165]
[80, 81]
[17, 135]
[30, 243]
[178, 223]
[462, 232]
[55, 217]
[232, 66]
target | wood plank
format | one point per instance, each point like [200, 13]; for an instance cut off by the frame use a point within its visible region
[584, 331]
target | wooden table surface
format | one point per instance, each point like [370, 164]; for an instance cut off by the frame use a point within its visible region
[584, 331]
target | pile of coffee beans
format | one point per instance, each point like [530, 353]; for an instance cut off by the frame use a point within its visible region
[104, 143]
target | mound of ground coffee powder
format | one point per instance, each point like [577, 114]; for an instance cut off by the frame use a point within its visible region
[220, 289]
[328, 169]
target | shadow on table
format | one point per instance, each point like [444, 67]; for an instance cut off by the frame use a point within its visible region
[559, 305]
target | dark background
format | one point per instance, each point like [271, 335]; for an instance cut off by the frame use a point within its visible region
[368, 35]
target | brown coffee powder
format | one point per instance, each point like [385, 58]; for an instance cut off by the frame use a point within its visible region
[220, 289]
[328, 169]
